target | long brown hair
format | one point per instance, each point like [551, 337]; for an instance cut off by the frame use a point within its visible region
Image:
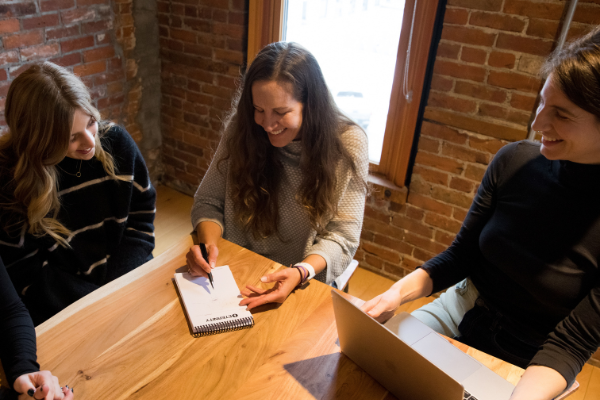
[39, 112]
[576, 69]
[254, 166]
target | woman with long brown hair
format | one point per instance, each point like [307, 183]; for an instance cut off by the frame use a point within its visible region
[288, 179]
[76, 203]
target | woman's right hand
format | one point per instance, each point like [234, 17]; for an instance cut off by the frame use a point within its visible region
[47, 386]
[383, 306]
[197, 266]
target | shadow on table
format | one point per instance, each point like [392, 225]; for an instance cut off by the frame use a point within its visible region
[335, 376]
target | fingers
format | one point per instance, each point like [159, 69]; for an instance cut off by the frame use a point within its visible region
[67, 393]
[252, 302]
[213, 253]
[274, 277]
[253, 291]
[195, 262]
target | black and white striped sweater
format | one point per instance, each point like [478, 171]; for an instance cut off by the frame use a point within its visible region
[111, 224]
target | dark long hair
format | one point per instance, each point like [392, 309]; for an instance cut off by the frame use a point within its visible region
[255, 170]
[576, 69]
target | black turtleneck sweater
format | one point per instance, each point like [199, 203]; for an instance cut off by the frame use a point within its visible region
[531, 245]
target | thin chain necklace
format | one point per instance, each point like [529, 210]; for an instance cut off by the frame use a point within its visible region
[78, 174]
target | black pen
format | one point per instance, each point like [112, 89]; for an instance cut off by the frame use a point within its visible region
[205, 256]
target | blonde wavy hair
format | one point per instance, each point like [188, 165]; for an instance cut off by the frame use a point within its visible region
[39, 113]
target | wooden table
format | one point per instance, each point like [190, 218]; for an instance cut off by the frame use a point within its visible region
[130, 340]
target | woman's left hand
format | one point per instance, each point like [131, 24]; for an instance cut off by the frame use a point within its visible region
[285, 281]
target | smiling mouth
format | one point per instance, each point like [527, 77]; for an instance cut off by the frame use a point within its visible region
[85, 151]
[277, 132]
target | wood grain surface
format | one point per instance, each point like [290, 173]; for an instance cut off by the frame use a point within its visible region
[130, 340]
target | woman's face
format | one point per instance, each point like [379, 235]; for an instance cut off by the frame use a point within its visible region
[568, 131]
[277, 111]
[82, 143]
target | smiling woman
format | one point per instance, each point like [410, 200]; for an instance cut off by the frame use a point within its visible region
[288, 180]
[77, 206]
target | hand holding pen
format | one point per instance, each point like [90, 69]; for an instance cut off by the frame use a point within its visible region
[201, 259]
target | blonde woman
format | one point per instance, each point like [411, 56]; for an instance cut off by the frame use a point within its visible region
[77, 205]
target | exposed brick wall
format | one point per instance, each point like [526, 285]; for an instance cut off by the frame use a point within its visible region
[202, 48]
[482, 96]
[93, 38]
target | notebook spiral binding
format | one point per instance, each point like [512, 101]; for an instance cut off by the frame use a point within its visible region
[220, 327]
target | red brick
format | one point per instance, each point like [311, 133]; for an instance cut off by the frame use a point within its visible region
[459, 214]
[503, 113]
[377, 215]
[235, 31]
[60, 33]
[475, 172]
[457, 70]
[9, 57]
[414, 212]
[39, 52]
[98, 54]
[23, 39]
[461, 184]
[441, 83]
[456, 16]
[512, 80]
[43, 21]
[543, 28]
[443, 163]
[439, 221]
[53, 5]
[472, 124]
[430, 145]
[480, 92]
[424, 243]
[497, 21]
[472, 36]
[4, 88]
[448, 50]
[487, 5]
[383, 228]
[540, 47]
[413, 226]
[237, 18]
[451, 196]
[431, 175]
[587, 14]
[9, 25]
[429, 204]
[444, 238]
[501, 60]
[91, 2]
[464, 154]
[3, 77]
[90, 69]
[473, 55]
[238, 5]
[17, 9]
[76, 44]
[77, 15]
[393, 243]
[185, 36]
[198, 24]
[532, 9]
[68, 60]
[523, 102]
[490, 145]
[442, 132]
[199, 49]
[22, 68]
[442, 100]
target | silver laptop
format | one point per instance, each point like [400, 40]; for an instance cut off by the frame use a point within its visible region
[411, 360]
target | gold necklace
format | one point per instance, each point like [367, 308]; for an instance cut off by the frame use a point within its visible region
[78, 174]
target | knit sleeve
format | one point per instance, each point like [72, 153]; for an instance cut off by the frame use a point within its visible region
[137, 243]
[455, 263]
[209, 200]
[574, 339]
[17, 334]
[341, 241]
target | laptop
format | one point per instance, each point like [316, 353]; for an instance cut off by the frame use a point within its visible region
[411, 360]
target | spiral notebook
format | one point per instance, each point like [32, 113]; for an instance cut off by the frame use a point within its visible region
[211, 311]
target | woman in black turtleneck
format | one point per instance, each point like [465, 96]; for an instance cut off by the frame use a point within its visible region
[528, 253]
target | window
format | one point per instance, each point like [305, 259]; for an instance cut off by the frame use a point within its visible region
[377, 102]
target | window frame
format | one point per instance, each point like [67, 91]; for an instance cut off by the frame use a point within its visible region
[265, 24]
